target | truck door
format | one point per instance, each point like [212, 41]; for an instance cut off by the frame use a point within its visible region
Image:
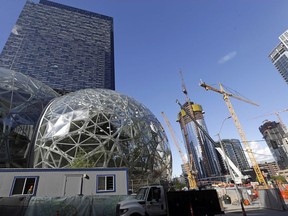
[155, 202]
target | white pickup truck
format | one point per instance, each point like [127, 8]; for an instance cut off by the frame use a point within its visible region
[154, 200]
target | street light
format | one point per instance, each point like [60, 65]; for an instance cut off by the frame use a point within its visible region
[222, 148]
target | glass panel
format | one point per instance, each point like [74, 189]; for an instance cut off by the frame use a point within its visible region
[29, 186]
[110, 182]
[18, 186]
[101, 183]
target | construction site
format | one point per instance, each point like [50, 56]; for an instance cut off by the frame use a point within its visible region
[238, 188]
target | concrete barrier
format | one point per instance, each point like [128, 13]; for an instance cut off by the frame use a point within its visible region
[272, 199]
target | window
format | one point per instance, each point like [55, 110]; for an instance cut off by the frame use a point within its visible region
[105, 183]
[154, 194]
[24, 185]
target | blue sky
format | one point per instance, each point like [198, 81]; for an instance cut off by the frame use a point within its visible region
[212, 40]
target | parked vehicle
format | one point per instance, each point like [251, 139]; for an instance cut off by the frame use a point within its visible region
[155, 201]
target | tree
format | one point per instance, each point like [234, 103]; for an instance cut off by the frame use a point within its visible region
[279, 179]
[178, 185]
[81, 161]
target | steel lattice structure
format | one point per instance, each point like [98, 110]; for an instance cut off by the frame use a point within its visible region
[110, 129]
[22, 100]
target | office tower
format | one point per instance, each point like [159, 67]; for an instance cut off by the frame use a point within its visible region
[65, 48]
[234, 151]
[279, 56]
[275, 137]
[201, 152]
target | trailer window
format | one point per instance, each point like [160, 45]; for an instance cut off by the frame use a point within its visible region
[105, 183]
[24, 185]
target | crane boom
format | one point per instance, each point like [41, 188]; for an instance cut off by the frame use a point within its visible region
[191, 178]
[239, 128]
[277, 113]
[184, 89]
[222, 91]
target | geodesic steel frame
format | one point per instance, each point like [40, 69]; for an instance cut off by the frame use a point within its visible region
[109, 129]
[22, 99]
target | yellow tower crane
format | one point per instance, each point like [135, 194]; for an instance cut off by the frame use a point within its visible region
[191, 178]
[190, 113]
[226, 96]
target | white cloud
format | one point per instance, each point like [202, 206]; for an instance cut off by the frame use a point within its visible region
[261, 152]
[227, 57]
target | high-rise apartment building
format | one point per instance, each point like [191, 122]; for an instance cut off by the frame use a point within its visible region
[201, 151]
[279, 56]
[64, 47]
[235, 152]
[275, 137]
[271, 167]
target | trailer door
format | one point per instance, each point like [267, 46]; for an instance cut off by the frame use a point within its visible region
[72, 184]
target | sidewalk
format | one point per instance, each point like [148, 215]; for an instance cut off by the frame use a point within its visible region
[237, 207]
[254, 209]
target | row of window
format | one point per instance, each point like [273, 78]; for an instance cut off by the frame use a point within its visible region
[28, 185]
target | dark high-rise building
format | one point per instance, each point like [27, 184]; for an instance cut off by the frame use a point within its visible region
[64, 47]
[279, 56]
[234, 151]
[201, 151]
[275, 137]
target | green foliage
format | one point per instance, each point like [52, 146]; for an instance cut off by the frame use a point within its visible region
[81, 161]
[178, 185]
[279, 179]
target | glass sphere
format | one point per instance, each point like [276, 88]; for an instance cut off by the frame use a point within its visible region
[22, 99]
[103, 128]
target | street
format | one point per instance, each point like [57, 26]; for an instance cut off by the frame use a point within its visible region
[259, 212]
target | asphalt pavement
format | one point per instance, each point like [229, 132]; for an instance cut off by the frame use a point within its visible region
[258, 212]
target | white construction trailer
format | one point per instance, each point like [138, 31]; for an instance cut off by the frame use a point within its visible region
[63, 182]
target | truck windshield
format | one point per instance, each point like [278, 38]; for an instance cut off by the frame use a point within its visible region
[141, 194]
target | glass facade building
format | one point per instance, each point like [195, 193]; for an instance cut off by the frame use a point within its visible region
[275, 137]
[279, 56]
[22, 100]
[108, 129]
[63, 47]
[201, 152]
[235, 152]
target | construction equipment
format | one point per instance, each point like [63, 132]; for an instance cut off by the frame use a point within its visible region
[191, 178]
[191, 112]
[277, 113]
[235, 173]
[226, 96]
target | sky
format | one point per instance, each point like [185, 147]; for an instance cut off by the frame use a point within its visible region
[216, 41]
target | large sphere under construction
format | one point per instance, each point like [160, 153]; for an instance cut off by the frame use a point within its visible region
[106, 129]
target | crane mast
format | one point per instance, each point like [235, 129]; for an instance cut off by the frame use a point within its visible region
[191, 178]
[226, 96]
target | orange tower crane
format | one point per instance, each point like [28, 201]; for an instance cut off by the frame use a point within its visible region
[191, 178]
[226, 96]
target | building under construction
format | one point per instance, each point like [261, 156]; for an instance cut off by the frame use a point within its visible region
[275, 137]
[201, 152]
